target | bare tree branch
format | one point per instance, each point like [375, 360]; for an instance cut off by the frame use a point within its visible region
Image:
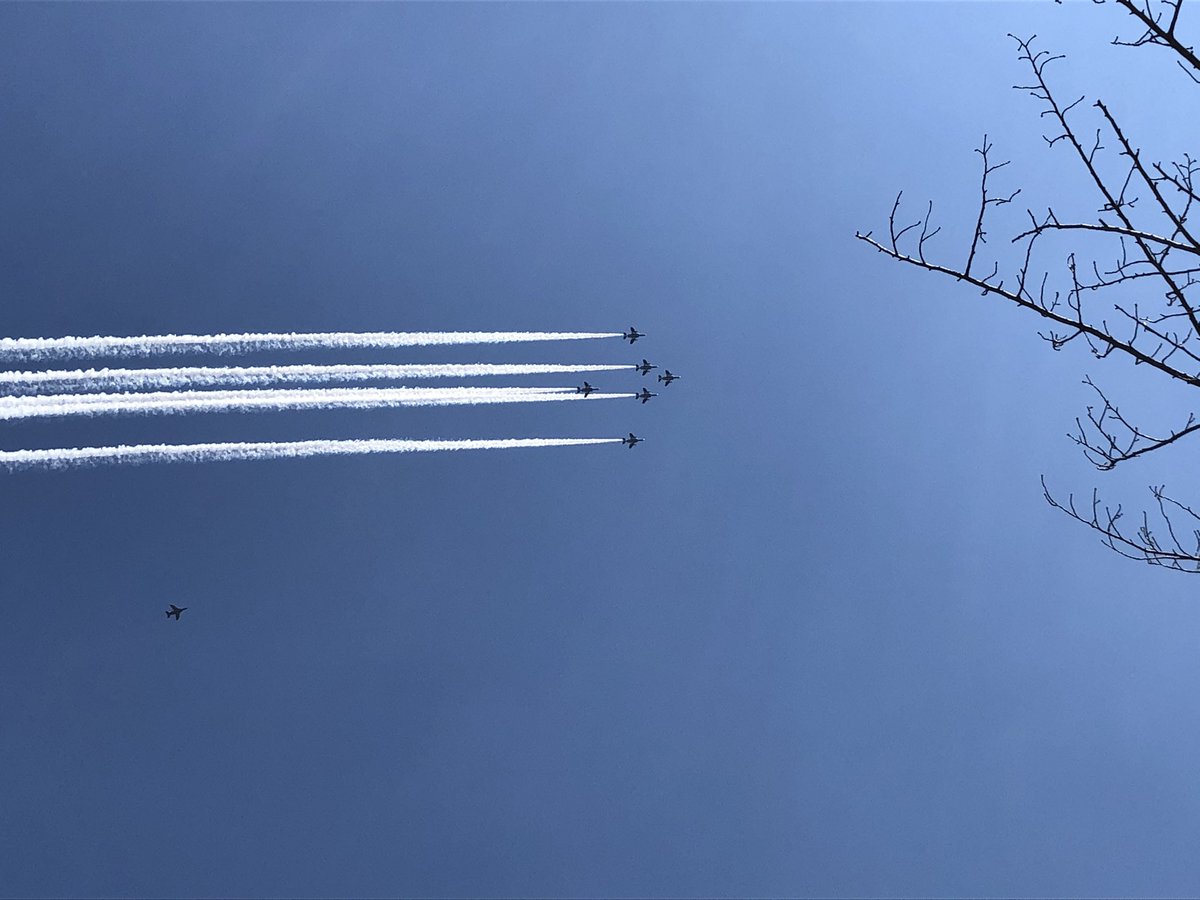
[1157, 33]
[1108, 229]
[1161, 331]
[1144, 545]
[1177, 220]
[985, 200]
[1113, 439]
[1037, 63]
[1104, 342]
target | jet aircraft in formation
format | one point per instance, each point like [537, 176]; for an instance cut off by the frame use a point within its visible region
[644, 394]
[585, 390]
[175, 611]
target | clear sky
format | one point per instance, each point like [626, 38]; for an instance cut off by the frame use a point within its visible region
[819, 635]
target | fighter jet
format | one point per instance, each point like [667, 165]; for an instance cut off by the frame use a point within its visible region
[585, 390]
[632, 334]
[644, 395]
[668, 378]
[645, 367]
[631, 440]
[175, 611]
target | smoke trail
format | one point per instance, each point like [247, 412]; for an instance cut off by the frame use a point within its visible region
[167, 402]
[148, 345]
[62, 380]
[136, 454]
[156, 397]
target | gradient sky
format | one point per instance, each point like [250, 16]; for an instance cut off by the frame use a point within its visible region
[819, 635]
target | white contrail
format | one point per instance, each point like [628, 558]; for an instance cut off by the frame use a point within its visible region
[168, 402]
[9, 406]
[148, 345]
[59, 380]
[135, 454]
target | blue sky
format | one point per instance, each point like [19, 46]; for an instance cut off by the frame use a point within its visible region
[819, 636]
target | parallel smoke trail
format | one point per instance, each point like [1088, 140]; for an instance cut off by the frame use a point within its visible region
[254, 394]
[168, 402]
[148, 345]
[15, 460]
[60, 380]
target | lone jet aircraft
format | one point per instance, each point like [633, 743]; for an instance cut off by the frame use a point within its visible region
[645, 367]
[585, 390]
[632, 334]
[175, 611]
[631, 440]
[644, 395]
[668, 378]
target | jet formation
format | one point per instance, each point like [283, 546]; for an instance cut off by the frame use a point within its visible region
[644, 394]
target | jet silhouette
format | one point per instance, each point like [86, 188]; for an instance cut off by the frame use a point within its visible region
[175, 611]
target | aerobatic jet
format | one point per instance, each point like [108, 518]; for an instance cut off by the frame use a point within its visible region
[668, 378]
[644, 395]
[631, 440]
[175, 611]
[632, 334]
[585, 390]
[645, 367]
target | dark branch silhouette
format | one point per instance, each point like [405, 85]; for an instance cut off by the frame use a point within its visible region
[1142, 231]
[1109, 438]
[1157, 33]
[1144, 545]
